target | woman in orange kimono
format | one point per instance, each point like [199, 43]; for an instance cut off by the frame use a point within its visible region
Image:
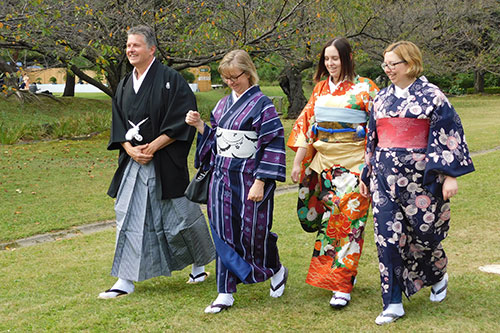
[329, 140]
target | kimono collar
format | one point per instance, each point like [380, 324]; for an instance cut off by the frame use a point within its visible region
[404, 93]
[332, 85]
[236, 98]
[138, 81]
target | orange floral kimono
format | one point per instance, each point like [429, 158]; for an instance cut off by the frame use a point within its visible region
[332, 129]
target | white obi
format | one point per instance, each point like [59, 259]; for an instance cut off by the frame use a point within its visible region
[236, 144]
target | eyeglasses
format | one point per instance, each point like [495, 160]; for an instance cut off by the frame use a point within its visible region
[232, 78]
[391, 66]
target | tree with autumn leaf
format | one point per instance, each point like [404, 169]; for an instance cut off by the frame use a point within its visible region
[78, 34]
[189, 33]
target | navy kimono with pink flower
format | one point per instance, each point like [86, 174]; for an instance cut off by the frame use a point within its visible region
[411, 218]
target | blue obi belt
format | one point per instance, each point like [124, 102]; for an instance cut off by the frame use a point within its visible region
[340, 115]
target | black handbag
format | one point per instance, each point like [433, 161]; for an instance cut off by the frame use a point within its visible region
[197, 190]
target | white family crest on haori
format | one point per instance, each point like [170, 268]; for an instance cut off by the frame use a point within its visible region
[236, 144]
[133, 133]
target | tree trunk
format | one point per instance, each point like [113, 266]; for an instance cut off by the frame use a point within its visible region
[291, 83]
[479, 81]
[69, 87]
[9, 78]
[92, 81]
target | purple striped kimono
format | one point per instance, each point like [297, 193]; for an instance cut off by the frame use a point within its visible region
[246, 248]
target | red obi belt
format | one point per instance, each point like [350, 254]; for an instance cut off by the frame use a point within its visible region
[402, 132]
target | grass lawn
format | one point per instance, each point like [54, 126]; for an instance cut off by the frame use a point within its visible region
[48, 119]
[480, 116]
[54, 286]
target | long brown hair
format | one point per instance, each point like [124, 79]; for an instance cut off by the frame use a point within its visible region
[346, 62]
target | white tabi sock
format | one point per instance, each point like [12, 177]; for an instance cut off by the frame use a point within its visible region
[393, 312]
[222, 302]
[276, 279]
[439, 290]
[198, 274]
[125, 285]
[396, 308]
[340, 299]
[195, 270]
[121, 287]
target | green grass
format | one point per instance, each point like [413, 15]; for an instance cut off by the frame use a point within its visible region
[92, 95]
[49, 119]
[53, 185]
[54, 286]
[480, 116]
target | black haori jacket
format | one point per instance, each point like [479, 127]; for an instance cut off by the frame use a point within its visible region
[164, 98]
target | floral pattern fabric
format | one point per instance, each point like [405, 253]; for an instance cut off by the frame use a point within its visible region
[329, 201]
[411, 218]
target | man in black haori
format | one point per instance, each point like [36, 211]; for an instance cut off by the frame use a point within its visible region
[158, 229]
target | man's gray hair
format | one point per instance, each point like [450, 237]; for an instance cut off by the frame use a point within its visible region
[146, 32]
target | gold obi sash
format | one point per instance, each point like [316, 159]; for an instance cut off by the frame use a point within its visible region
[338, 139]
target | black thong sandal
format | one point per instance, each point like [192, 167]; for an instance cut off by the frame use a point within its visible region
[222, 307]
[192, 278]
[392, 317]
[117, 291]
[282, 282]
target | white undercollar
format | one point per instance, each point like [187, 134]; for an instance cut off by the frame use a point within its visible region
[401, 93]
[332, 85]
[235, 98]
[138, 81]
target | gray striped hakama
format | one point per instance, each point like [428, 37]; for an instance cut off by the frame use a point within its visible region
[155, 237]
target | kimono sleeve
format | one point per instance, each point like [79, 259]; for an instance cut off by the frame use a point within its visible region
[118, 119]
[270, 161]
[447, 151]
[369, 94]
[299, 136]
[205, 144]
[371, 144]
[179, 99]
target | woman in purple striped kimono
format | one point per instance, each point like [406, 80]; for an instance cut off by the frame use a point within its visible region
[246, 149]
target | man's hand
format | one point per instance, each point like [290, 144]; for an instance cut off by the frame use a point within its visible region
[138, 153]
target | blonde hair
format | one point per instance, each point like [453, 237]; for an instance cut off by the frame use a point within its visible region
[241, 60]
[410, 53]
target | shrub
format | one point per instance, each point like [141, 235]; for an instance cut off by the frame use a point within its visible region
[456, 90]
[53, 80]
[487, 90]
[188, 76]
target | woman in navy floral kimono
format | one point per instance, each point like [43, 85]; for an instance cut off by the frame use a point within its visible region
[246, 148]
[415, 150]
